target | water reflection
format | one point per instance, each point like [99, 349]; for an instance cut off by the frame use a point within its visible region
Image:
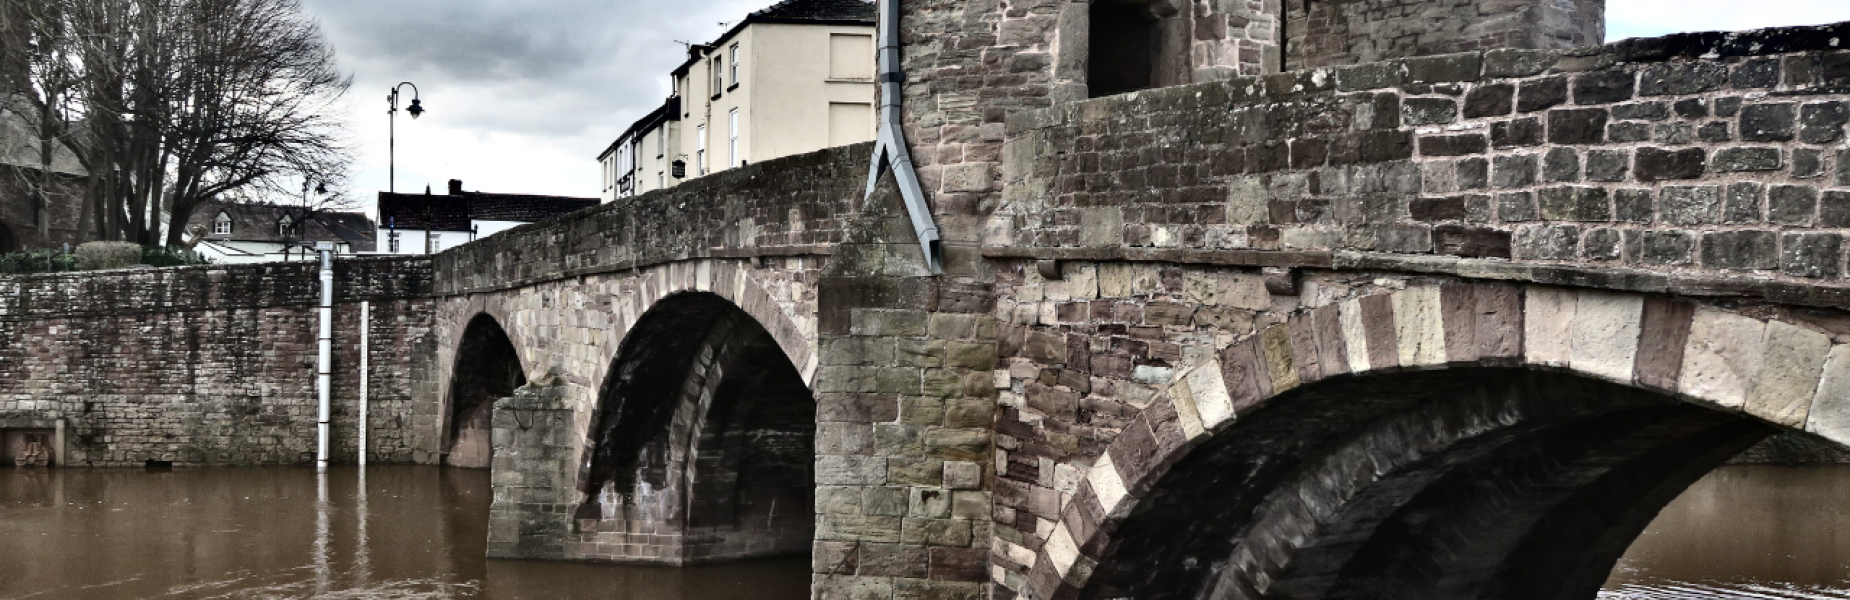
[1746, 532]
[406, 532]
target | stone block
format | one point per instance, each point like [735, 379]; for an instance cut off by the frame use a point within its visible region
[1811, 254]
[1772, 122]
[1428, 111]
[1604, 87]
[1516, 133]
[1577, 126]
[1681, 78]
[1792, 204]
[1419, 327]
[1517, 207]
[1454, 145]
[1491, 100]
[1605, 334]
[1541, 94]
[1722, 357]
[1608, 165]
[1823, 122]
[1690, 205]
[1829, 416]
[1513, 171]
[1657, 164]
[1548, 327]
[1790, 368]
[1666, 247]
[1734, 160]
[1740, 250]
[1641, 111]
[1561, 165]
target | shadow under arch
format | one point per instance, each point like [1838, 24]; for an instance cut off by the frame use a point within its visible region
[702, 444]
[8, 243]
[1485, 482]
[487, 367]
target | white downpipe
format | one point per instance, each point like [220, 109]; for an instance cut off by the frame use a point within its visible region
[890, 142]
[366, 325]
[324, 362]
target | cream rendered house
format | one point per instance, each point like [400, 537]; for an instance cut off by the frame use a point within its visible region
[793, 78]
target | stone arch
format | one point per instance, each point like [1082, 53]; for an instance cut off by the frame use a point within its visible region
[1341, 446]
[702, 444]
[732, 281]
[487, 367]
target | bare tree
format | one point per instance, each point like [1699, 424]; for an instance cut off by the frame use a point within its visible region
[172, 103]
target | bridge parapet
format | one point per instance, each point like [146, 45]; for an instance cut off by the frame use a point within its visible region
[1697, 164]
[798, 205]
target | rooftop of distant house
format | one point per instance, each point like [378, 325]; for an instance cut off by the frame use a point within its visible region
[458, 209]
[261, 222]
[798, 12]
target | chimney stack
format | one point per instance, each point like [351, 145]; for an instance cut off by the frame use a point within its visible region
[455, 187]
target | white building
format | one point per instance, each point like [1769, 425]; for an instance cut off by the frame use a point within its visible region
[246, 233]
[796, 77]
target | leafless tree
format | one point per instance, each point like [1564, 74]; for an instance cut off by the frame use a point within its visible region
[171, 103]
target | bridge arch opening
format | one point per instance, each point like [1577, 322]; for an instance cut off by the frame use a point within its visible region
[487, 368]
[1482, 482]
[702, 446]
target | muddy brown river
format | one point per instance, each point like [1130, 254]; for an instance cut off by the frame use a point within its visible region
[417, 532]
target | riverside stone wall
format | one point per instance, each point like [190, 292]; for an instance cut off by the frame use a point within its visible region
[211, 365]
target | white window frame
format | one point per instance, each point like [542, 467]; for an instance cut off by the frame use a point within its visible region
[700, 149]
[284, 225]
[732, 119]
[221, 224]
[718, 77]
[735, 64]
[391, 244]
[436, 242]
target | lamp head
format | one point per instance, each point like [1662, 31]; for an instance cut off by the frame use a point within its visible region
[417, 108]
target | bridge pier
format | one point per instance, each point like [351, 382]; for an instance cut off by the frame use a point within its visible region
[534, 466]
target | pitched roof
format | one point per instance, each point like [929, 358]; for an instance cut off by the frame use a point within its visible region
[456, 210]
[260, 223]
[816, 10]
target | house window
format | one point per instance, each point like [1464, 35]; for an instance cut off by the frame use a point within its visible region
[732, 120]
[661, 142]
[735, 64]
[700, 152]
[391, 242]
[717, 74]
[221, 224]
[661, 180]
[436, 242]
[285, 226]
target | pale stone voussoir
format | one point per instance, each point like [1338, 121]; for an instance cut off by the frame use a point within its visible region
[1605, 334]
[1722, 358]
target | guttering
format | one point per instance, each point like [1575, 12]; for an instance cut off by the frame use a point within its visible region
[890, 143]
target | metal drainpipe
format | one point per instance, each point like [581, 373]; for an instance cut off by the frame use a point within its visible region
[366, 323]
[323, 377]
[890, 143]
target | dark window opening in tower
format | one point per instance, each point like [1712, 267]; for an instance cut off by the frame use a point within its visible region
[1123, 48]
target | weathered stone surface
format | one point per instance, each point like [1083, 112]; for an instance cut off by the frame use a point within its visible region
[1722, 358]
[1548, 326]
[1829, 416]
[1605, 334]
[1789, 372]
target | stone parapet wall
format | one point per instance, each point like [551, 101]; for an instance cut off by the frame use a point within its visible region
[211, 365]
[1322, 34]
[796, 205]
[1703, 154]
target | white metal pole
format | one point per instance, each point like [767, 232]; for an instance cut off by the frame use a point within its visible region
[366, 325]
[324, 362]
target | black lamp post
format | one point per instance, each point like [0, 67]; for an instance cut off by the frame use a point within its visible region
[416, 108]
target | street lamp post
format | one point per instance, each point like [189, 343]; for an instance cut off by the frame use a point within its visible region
[416, 108]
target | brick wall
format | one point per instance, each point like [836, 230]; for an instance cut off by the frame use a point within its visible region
[210, 365]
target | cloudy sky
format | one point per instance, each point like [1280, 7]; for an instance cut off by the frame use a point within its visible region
[524, 94]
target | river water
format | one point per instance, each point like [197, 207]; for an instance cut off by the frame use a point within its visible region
[417, 532]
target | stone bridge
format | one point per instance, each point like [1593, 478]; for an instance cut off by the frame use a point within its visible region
[1445, 326]
[1435, 327]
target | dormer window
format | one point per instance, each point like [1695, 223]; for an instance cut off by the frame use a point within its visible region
[221, 224]
[285, 226]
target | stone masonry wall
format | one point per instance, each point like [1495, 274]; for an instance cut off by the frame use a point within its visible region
[1325, 33]
[210, 365]
[1689, 162]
